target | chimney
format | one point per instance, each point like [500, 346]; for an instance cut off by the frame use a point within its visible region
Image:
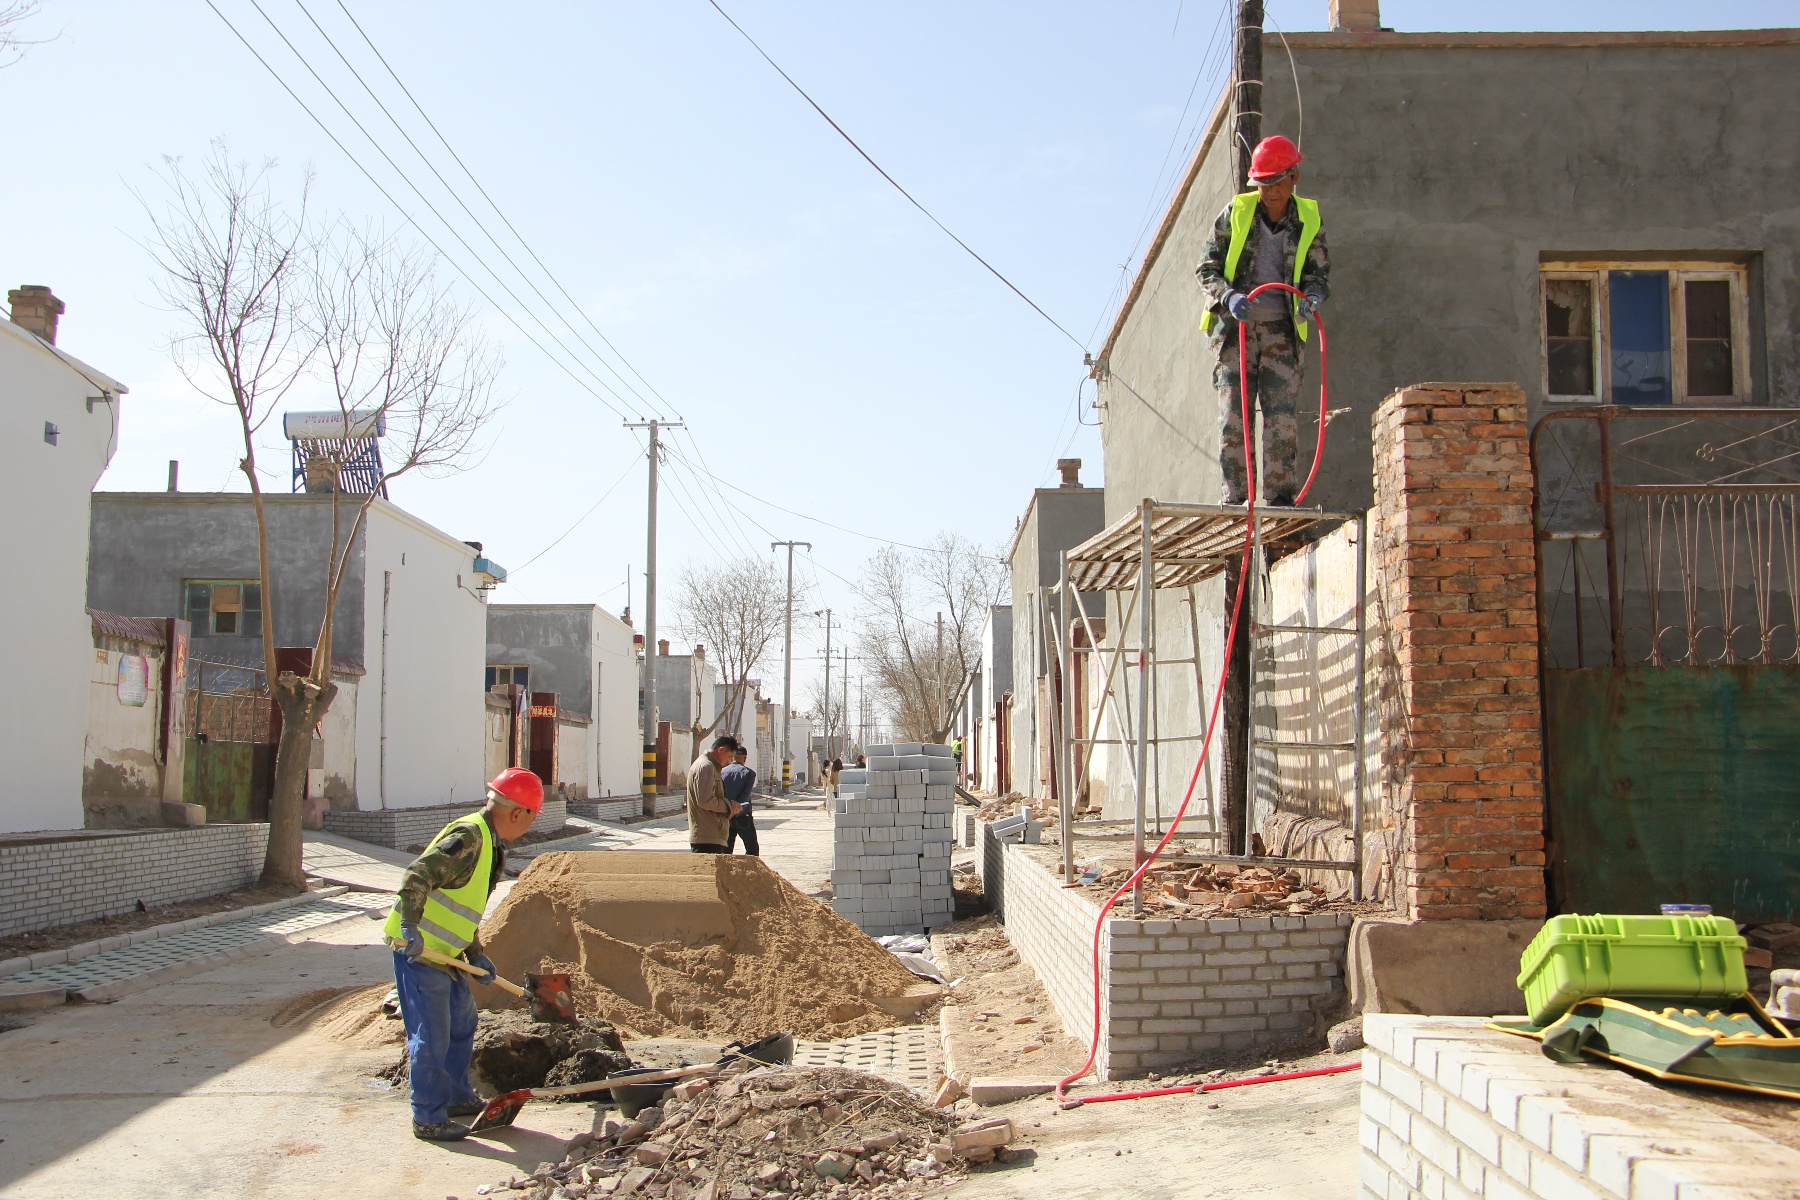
[699, 651]
[662, 646]
[174, 475]
[1071, 471]
[1355, 16]
[34, 308]
[321, 473]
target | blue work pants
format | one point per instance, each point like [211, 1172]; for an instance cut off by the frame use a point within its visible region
[440, 1017]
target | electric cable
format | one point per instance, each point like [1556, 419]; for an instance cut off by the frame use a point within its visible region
[598, 357]
[389, 197]
[1231, 633]
[992, 270]
[407, 180]
[632, 467]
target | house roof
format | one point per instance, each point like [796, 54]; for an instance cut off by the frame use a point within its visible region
[1389, 40]
[148, 630]
[93, 375]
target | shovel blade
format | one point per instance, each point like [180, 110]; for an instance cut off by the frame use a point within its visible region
[549, 996]
[501, 1110]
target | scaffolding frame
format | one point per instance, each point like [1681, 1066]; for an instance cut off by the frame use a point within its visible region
[1177, 547]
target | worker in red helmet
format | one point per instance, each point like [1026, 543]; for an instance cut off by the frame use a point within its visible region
[1267, 235]
[437, 915]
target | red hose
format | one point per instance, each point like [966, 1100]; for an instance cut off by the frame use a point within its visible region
[1237, 604]
[1214, 1087]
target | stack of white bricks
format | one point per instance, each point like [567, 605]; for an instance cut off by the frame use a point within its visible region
[1454, 1110]
[891, 850]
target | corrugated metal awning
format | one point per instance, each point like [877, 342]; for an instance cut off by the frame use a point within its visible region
[1190, 542]
[148, 630]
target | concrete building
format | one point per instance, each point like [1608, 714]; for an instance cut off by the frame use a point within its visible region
[1559, 210]
[686, 704]
[985, 759]
[57, 433]
[585, 655]
[752, 720]
[410, 632]
[1055, 519]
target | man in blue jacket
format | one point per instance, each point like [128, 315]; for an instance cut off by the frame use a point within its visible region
[740, 781]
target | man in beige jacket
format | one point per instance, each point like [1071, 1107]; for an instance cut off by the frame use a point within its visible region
[709, 812]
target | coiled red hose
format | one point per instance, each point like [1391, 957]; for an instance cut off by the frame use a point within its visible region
[1237, 605]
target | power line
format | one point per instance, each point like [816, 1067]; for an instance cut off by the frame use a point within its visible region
[505, 220]
[992, 270]
[578, 520]
[408, 216]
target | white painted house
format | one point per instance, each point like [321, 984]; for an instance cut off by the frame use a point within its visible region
[59, 423]
[410, 630]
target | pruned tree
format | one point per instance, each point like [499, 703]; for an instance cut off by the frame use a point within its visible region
[736, 608]
[828, 709]
[920, 626]
[265, 297]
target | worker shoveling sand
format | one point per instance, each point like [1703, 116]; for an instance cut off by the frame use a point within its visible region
[661, 944]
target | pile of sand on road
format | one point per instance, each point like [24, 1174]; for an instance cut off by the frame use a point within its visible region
[664, 944]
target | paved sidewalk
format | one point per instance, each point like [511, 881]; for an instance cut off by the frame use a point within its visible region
[908, 1055]
[361, 865]
[111, 973]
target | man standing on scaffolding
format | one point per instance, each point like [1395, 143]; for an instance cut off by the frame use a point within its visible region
[1285, 241]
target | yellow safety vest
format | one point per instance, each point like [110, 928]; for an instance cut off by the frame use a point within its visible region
[1243, 214]
[452, 916]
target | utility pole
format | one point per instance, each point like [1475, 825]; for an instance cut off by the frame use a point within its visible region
[825, 715]
[649, 707]
[787, 665]
[1234, 774]
[937, 671]
[844, 708]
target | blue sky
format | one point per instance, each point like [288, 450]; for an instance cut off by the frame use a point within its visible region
[831, 351]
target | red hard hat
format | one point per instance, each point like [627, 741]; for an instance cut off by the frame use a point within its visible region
[521, 787]
[1272, 158]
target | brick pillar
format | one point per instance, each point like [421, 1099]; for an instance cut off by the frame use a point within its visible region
[1462, 737]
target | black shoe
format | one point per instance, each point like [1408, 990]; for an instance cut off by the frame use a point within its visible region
[468, 1108]
[449, 1131]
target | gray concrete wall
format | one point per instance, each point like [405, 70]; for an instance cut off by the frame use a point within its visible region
[1448, 167]
[144, 545]
[555, 640]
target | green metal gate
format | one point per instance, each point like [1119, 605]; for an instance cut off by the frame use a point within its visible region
[1669, 572]
[230, 767]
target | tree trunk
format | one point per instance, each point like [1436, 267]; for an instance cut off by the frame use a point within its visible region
[302, 702]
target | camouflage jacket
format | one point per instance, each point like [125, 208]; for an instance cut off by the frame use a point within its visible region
[1314, 274]
[448, 864]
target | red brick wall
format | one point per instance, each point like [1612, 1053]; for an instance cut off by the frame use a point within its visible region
[1461, 733]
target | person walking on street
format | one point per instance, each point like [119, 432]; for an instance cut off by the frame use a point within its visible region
[709, 813]
[438, 911]
[831, 776]
[739, 782]
[1269, 235]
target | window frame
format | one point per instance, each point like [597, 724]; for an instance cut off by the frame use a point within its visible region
[509, 668]
[211, 613]
[1681, 272]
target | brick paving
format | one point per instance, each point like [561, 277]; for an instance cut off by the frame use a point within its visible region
[199, 945]
[909, 1055]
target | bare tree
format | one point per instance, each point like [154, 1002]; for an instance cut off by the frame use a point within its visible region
[12, 43]
[737, 608]
[265, 299]
[920, 628]
[828, 710]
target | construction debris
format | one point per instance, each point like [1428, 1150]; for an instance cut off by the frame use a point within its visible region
[1212, 890]
[771, 1132]
[710, 945]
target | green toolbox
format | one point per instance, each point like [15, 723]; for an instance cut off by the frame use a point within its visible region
[1686, 955]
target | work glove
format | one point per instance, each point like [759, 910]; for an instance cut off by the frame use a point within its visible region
[1238, 305]
[1309, 305]
[483, 963]
[413, 942]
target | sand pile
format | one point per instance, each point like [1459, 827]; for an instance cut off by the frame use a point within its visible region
[664, 944]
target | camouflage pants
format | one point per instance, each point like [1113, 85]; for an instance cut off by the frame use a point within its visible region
[1272, 356]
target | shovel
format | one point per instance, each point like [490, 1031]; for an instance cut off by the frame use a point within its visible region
[547, 995]
[773, 1050]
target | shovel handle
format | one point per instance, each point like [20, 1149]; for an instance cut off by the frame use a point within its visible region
[577, 1089]
[459, 964]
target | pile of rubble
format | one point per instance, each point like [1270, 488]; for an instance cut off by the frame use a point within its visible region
[1010, 804]
[771, 1132]
[1212, 890]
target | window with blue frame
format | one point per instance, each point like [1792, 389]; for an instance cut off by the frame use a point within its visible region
[1645, 333]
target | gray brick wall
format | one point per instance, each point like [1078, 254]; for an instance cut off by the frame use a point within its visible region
[1172, 992]
[399, 828]
[1456, 1111]
[50, 883]
[608, 810]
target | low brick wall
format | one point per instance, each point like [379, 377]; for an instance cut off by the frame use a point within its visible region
[1172, 992]
[51, 880]
[1453, 1110]
[399, 828]
[614, 809]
